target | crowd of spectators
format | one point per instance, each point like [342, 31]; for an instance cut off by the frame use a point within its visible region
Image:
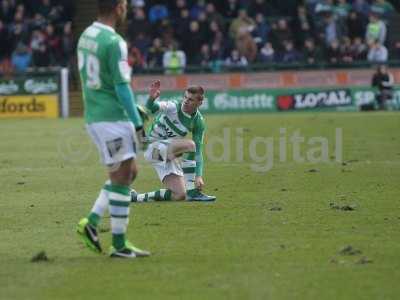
[214, 33]
[179, 33]
[35, 34]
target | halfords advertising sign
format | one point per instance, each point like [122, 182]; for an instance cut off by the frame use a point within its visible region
[29, 97]
[29, 106]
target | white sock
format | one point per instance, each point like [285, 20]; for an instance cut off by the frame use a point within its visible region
[189, 167]
[101, 204]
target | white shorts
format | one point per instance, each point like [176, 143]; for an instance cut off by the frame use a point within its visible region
[156, 154]
[115, 141]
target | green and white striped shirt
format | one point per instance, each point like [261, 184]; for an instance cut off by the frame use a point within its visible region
[171, 122]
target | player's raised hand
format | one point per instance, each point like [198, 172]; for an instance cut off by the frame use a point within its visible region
[154, 91]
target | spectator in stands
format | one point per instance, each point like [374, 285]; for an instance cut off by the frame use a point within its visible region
[217, 48]
[377, 53]
[280, 33]
[19, 34]
[246, 46]
[324, 7]
[236, 60]
[19, 28]
[38, 22]
[198, 8]
[67, 47]
[136, 60]
[290, 54]
[176, 9]
[138, 23]
[166, 32]
[346, 54]
[214, 16]
[21, 58]
[341, 12]
[359, 49]
[204, 25]
[258, 7]
[361, 7]
[20, 12]
[302, 25]
[174, 60]
[203, 58]
[311, 54]
[6, 66]
[355, 25]
[4, 41]
[182, 24]
[332, 30]
[231, 9]
[158, 13]
[213, 30]
[342, 9]
[155, 54]
[267, 53]
[179, 6]
[242, 24]
[67, 10]
[45, 8]
[39, 48]
[7, 10]
[54, 44]
[310, 6]
[142, 42]
[376, 30]
[333, 52]
[261, 30]
[192, 42]
[382, 8]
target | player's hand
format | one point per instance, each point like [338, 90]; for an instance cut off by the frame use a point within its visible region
[154, 91]
[199, 183]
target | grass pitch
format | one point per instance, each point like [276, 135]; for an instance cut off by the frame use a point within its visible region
[280, 234]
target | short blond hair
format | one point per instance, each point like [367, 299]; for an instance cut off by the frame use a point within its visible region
[196, 90]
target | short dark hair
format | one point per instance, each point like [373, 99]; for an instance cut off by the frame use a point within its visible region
[105, 7]
[196, 90]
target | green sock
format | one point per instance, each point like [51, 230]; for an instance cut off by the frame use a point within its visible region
[118, 241]
[159, 195]
[94, 219]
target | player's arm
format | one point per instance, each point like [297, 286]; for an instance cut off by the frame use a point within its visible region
[121, 74]
[127, 98]
[389, 83]
[198, 138]
[156, 106]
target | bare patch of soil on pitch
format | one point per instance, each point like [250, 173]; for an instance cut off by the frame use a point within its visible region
[346, 207]
[40, 257]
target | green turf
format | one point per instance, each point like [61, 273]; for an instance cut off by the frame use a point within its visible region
[237, 248]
